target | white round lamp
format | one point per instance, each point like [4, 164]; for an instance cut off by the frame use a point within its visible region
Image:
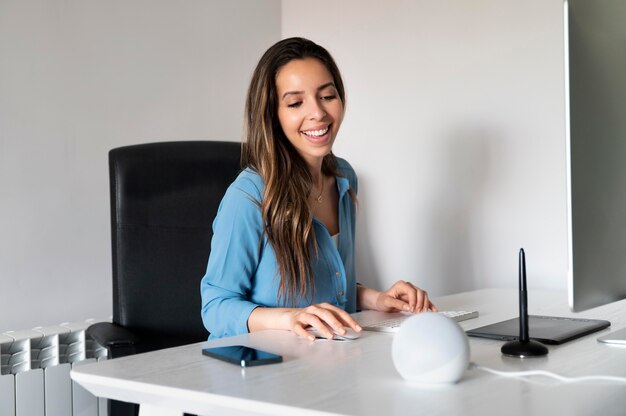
[430, 349]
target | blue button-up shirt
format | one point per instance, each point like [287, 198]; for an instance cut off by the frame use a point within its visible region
[242, 272]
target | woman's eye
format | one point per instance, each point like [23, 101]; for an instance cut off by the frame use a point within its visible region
[294, 105]
[329, 97]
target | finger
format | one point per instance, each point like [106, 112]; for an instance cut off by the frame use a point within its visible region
[427, 303]
[394, 303]
[329, 317]
[301, 332]
[322, 328]
[306, 320]
[406, 292]
[420, 302]
[349, 321]
[412, 294]
[342, 317]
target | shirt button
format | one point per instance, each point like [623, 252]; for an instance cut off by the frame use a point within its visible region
[337, 274]
[340, 293]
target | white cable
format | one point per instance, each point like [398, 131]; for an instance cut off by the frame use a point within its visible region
[522, 374]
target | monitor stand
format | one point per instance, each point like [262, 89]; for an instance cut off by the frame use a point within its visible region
[617, 337]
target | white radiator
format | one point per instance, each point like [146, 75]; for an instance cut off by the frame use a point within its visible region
[35, 371]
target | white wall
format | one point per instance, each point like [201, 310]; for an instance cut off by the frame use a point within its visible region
[77, 78]
[455, 125]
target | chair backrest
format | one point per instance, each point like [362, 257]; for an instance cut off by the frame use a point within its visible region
[164, 197]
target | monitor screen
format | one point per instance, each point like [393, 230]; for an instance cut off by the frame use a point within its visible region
[595, 73]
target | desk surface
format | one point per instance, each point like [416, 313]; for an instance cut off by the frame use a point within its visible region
[358, 377]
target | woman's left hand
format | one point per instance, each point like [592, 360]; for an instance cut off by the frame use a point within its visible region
[404, 296]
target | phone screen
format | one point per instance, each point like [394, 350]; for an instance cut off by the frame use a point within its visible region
[243, 356]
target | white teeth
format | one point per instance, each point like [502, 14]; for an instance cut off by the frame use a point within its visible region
[316, 133]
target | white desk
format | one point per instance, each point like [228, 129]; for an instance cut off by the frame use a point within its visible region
[358, 377]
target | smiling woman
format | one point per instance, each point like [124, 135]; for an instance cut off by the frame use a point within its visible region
[310, 113]
[282, 253]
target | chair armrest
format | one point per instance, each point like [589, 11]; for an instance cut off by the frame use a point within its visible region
[118, 340]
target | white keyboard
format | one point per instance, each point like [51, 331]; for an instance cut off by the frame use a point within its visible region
[393, 324]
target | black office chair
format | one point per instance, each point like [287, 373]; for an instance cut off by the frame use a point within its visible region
[164, 197]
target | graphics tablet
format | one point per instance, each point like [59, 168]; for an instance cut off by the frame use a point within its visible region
[546, 329]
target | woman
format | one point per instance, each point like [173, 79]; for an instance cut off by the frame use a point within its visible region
[282, 254]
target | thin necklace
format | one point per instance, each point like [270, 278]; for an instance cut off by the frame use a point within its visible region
[319, 197]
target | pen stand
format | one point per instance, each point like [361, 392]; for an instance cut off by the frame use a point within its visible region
[523, 349]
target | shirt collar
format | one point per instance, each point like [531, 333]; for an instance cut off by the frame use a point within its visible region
[343, 185]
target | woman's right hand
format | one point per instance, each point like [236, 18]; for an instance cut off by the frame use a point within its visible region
[324, 317]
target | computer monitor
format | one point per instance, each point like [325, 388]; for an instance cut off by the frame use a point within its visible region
[595, 73]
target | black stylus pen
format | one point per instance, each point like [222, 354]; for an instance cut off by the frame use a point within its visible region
[524, 346]
[523, 298]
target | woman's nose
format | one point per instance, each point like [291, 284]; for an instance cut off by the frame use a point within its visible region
[316, 111]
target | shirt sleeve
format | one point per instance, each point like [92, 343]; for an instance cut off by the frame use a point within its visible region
[235, 248]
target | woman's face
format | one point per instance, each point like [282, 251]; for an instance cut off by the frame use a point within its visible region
[309, 108]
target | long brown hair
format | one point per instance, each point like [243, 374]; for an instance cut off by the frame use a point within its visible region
[288, 182]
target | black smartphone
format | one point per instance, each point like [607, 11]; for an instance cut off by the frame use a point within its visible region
[243, 356]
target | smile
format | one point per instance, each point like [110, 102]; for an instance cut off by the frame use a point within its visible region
[316, 133]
